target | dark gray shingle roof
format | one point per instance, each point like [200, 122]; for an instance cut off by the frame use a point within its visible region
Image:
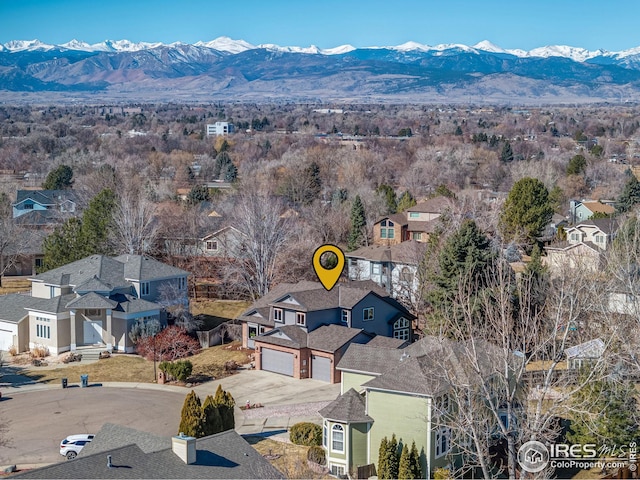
[329, 338]
[224, 455]
[143, 268]
[91, 300]
[12, 306]
[348, 408]
[374, 360]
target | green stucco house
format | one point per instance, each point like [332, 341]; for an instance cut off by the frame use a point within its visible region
[388, 391]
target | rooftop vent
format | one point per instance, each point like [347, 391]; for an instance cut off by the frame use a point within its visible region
[109, 464]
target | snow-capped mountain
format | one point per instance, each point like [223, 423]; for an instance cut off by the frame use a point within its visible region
[229, 68]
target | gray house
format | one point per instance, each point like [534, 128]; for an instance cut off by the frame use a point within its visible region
[302, 329]
[93, 301]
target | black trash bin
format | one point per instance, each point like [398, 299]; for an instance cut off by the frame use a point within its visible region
[84, 380]
[64, 383]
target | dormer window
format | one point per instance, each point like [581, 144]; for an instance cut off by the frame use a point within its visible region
[277, 315]
[301, 319]
[28, 206]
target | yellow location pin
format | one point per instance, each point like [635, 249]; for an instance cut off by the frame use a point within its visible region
[328, 276]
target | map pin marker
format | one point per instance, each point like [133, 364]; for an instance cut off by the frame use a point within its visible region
[328, 276]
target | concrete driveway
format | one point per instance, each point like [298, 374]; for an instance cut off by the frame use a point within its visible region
[40, 416]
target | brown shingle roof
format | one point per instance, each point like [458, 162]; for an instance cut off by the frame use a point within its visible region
[433, 205]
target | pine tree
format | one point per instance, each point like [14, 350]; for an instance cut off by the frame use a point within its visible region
[392, 446]
[526, 212]
[225, 403]
[405, 201]
[414, 461]
[383, 459]
[312, 172]
[506, 155]
[630, 195]
[97, 222]
[192, 417]
[59, 178]
[357, 234]
[213, 420]
[231, 173]
[389, 196]
[404, 470]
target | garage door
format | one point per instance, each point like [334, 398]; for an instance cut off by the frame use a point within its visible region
[278, 362]
[320, 368]
[6, 339]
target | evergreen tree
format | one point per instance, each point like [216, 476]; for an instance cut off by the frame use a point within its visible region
[312, 172]
[198, 194]
[389, 196]
[612, 416]
[192, 417]
[392, 446]
[357, 234]
[406, 201]
[577, 165]
[225, 403]
[220, 165]
[212, 418]
[63, 245]
[404, 469]
[383, 459]
[97, 223]
[414, 461]
[231, 173]
[526, 212]
[506, 155]
[59, 178]
[630, 195]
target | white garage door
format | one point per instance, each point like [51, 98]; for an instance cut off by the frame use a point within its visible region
[6, 339]
[320, 368]
[276, 361]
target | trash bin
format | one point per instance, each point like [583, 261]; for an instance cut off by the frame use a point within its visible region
[64, 383]
[84, 380]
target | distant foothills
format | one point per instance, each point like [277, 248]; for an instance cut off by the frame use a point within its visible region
[235, 70]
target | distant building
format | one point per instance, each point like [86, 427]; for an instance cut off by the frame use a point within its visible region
[220, 128]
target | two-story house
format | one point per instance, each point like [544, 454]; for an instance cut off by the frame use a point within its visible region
[387, 391]
[585, 209]
[394, 268]
[584, 246]
[93, 301]
[44, 206]
[302, 330]
[416, 223]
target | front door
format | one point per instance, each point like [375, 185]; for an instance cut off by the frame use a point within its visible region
[92, 332]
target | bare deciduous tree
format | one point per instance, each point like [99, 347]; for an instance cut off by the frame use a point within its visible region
[136, 229]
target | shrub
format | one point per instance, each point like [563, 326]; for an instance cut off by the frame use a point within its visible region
[179, 370]
[441, 474]
[316, 454]
[13, 350]
[39, 351]
[306, 433]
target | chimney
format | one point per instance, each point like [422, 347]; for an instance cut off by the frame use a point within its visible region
[184, 447]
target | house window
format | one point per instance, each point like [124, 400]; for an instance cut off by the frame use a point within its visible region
[261, 329]
[212, 245]
[375, 269]
[443, 441]
[28, 206]
[337, 438]
[406, 275]
[574, 236]
[52, 291]
[599, 239]
[337, 470]
[346, 314]
[277, 314]
[414, 214]
[417, 235]
[43, 330]
[182, 283]
[301, 318]
[39, 262]
[253, 331]
[401, 329]
[367, 314]
[386, 229]
[325, 434]
[144, 288]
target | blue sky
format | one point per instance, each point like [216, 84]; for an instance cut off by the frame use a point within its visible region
[591, 24]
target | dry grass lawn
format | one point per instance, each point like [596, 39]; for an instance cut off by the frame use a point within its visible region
[291, 461]
[131, 368]
[219, 308]
[13, 285]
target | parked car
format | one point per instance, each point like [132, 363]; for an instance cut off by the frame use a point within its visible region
[70, 447]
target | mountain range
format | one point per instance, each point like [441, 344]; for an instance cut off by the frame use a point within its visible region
[226, 69]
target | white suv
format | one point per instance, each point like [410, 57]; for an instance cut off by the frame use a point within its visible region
[70, 447]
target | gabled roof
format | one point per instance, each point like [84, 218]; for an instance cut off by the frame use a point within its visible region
[290, 336]
[45, 197]
[372, 360]
[93, 284]
[409, 252]
[51, 305]
[133, 304]
[605, 225]
[329, 338]
[222, 230]
[92, 300]
[397, 218]
[347, 408]
[137, 454]
[591, 349]
[598, 207]
[422, 375]
[433, 205]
